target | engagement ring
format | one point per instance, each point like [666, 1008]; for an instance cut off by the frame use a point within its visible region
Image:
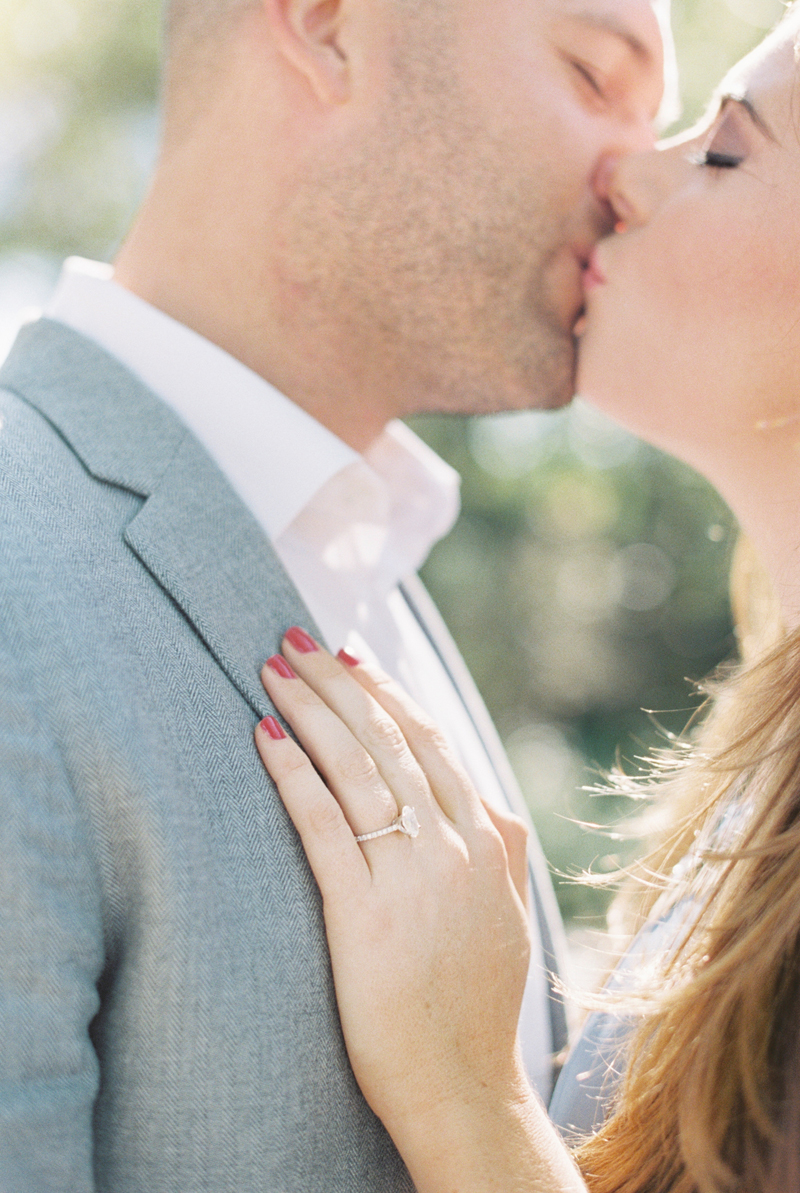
[406, 823]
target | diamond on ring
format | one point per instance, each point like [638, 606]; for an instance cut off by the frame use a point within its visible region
[406, 823]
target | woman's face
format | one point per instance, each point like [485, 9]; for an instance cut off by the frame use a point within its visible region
[693, 330]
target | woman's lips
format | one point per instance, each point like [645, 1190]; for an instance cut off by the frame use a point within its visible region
[591, 277]
[592, 273]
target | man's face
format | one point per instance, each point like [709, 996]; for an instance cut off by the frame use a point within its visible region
[457, 224]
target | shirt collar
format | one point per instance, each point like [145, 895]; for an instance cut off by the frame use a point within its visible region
[277, 457]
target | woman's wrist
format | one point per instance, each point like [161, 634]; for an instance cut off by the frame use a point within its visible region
[494, 1139]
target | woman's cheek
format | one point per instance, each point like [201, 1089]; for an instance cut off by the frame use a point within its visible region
[645, 358]
[622, 351]
[697, 326]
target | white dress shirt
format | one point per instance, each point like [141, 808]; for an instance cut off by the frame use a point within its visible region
[348, 528]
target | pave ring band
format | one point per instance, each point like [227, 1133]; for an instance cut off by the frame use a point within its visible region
[406, 823]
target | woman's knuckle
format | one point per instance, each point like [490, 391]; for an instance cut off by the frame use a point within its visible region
[431, 736]
[356, 767]
[513, 827]
[305, 697]
[492, 849]
[294, 762]
[324, 816]
[520, 830]
[381, 733]
[383, 682]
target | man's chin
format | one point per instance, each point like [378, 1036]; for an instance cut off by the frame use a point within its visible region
[535, 398]
[558, 402]
[554, 388]
[544, 383]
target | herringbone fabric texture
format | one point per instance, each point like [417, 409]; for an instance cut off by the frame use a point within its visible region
[167, 1019]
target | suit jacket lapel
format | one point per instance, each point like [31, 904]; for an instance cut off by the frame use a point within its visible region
[206, 550]
[192, 533]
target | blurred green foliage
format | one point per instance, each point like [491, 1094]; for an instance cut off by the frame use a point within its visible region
[586, 585]
[587, 578]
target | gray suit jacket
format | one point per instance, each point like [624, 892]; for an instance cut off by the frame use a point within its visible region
[167, 1018]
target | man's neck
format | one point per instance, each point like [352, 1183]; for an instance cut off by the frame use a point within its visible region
[244, 307]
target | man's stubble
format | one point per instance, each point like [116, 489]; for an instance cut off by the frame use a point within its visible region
[431, 251]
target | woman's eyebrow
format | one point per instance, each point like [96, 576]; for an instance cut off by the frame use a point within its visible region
[744, 101]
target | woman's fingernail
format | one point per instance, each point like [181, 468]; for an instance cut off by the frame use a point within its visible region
[273, 728]
[349, 659]
[301, 641]
[281, 667]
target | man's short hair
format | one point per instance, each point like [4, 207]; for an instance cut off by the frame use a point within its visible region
[195, 33]
[188, 24]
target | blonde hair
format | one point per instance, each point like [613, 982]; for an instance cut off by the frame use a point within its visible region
[709, 1101]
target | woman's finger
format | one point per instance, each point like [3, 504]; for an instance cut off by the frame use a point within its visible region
[336, 859]
[515, 838]
[348, 771]
[371, 771]
[384, 747]
[436, 759]
[446, 777]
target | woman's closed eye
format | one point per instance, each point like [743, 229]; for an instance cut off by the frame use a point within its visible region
[726, 145]
[717, 160]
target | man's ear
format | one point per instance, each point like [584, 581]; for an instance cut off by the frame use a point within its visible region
[308, 35]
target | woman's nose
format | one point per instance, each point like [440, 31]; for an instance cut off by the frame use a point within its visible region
[632, 185]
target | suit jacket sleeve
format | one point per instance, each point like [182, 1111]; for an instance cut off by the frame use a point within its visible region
[50, 951]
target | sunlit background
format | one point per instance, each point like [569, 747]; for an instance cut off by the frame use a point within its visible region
[586, 580]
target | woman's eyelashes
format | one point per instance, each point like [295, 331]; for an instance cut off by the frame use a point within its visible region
[716, 160]
[719, 160]
[724, 147]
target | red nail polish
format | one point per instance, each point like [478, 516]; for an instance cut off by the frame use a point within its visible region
[281, 667]
[301, 641]
[349, 659]
[272, 727]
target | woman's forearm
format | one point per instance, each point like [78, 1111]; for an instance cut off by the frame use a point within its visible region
[489, 1143]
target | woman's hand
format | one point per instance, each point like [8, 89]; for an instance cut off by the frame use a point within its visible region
[428, 935]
